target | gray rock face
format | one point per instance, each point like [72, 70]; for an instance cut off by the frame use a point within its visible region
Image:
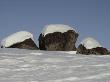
[58, 41]
[98, 51]
[27, 44]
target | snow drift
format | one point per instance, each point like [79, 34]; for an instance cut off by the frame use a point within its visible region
[18, 65]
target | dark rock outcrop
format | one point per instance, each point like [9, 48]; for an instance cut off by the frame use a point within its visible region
[42, 42]
[98, 50]
[109, 52]
[58, 41]
[26, 44]
[71, 38]
[54, 41]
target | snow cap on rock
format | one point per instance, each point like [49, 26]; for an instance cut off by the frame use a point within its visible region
[16, 38]
[56, 28]
[90, 43]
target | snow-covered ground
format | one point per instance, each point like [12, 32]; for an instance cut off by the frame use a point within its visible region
[18, 65]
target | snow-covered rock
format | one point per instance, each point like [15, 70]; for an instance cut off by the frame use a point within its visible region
[90, 43]
[21, 39]
[57, 37]
[56, 28]
[91, 46]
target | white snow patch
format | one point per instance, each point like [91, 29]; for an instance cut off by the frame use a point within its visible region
[53, 60]
[71, 78]
[56, 28]
[98, 76]
[26, 65]
[33, 81]
[65, 79]
[9, 62]
[71, 52]
[4, 53]
[3, 70]
[29, 59]
[90, 43]
[36, 53]
[15, 38]
[102, 65]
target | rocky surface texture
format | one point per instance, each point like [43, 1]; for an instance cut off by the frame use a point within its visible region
[58, 41]
[26, 44]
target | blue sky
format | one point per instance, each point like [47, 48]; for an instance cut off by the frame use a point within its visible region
[89, 17]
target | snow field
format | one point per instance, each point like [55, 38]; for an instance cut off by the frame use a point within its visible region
[20, 65]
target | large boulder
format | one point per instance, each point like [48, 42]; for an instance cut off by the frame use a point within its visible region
[22, 40]
[91, 46]
[58, 38]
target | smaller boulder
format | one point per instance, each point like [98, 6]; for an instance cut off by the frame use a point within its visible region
[91, 46]
[26, 44]
[22, 40]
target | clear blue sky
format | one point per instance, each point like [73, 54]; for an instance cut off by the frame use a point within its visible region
[90, 17]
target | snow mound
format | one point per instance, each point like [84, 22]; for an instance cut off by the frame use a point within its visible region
[56, 28]
[90, 43]
[16, 38]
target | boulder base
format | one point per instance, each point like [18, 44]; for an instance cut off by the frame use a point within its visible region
[26, 44]
[98, 50]
[58, 41]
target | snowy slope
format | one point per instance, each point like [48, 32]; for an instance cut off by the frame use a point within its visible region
[18, 65]
[15, 38]
[90, 43]
[56, 28]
